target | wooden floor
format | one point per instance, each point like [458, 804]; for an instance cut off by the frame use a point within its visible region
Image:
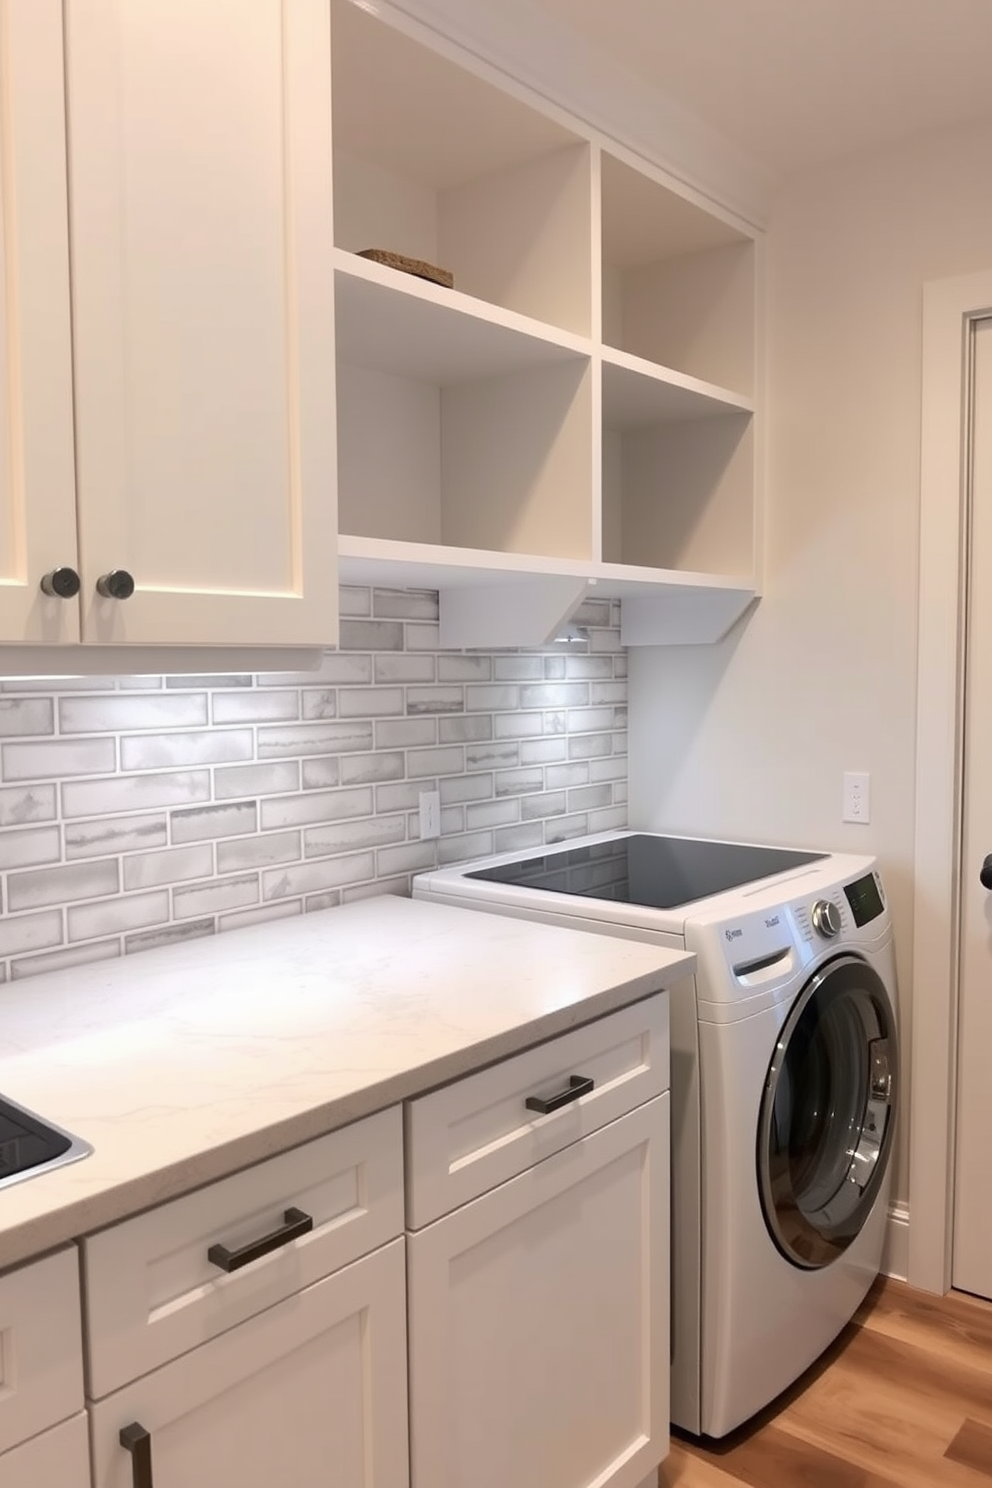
[902, 1400]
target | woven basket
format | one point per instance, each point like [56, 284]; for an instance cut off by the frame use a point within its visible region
[415, 266]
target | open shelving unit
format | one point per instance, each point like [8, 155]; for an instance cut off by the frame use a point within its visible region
[576, 415]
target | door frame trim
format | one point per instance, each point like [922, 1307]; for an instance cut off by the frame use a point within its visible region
[950, 309]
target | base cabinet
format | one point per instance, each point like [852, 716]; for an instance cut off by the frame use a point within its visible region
[539, 1321]
[58, 1458]
[308, 1394]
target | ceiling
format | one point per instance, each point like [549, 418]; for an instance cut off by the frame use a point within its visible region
[796, 82]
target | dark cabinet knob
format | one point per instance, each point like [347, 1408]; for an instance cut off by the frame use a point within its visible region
[117, 584]
[986, 873]
[61, 583]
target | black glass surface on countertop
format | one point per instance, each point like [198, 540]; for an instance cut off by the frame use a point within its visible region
[646, 869]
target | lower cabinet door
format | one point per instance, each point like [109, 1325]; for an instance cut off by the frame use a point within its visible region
[539, 1321]
[309, 1394]
[58, 1458]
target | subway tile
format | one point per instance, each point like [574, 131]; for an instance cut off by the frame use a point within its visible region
[543, 751]
[109, 834]
[370, 702]
[323, 772]
[210, 747]
[519, 839]
[257, 780]
[207, 899]
[240, 853]
[404, 797]
[28, 803]
[474, 729]
[593, 612]
[460, 788]
[255, 705]
[49, 685]
[282, 909]
[520, 725]
[549, 803]
[590, 668]
[32, 715]
[402, 667]
[454, 668]
[590, 797]
[614, 819]
[620, 793]
[351, 836]
[367, 769]
[324, 806]
[620, 664]
[205, 823]
[560, 777]
[336, 667]
[114, 916]
[147, 684]
[518, 782]
[435, 700]
[320, 702]
[492, 814]
[411, 857]
[212, 681]
[517, 668]
[80, 955]
[604, 641]
[101, 715]
[308, 878]
[58, 758]
[423, 637]
[174, 865]
[589, 746]
[590, 720]
[554, 668]
[30, 932]
[492, 756]
[354, 599]
[134, 793]
[329, 899]
[153, 940]
[316, 738]
[425, 762]
[554, 695]
[30, 846]
[405, 733]
[371, 635]
[488, 698]
[471, 845]
[564, 828]
[399, 886]
[405, 604]
[51, 886]
[613, 768]
[452, 822]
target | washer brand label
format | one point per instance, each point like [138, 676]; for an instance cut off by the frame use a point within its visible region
[772, 922]
[737, 934]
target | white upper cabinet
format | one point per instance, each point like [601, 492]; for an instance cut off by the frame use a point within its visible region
[37, 493]
[199, 163]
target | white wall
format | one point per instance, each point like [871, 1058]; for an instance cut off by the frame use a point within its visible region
[750, 738]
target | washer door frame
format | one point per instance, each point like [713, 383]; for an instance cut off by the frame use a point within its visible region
[813, 1226]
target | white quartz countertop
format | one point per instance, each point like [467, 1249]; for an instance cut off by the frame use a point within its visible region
[181, 1065]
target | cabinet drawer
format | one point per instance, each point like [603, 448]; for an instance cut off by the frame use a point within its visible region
[153, 1290]
[41, 1354]
[59, 1458]
[478, 1132]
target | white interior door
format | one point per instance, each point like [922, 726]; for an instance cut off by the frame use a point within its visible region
[972, 1251]
[37, 483]
[201, 250]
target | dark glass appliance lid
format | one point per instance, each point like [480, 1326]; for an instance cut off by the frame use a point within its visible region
[649, 870]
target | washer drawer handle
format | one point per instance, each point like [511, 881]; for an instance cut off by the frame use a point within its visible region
[578, 1085]
[295, 1223]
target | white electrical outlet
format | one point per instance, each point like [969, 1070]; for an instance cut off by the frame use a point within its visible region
[430, 814]
[857, 796]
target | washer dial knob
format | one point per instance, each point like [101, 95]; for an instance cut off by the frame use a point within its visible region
[826, 918]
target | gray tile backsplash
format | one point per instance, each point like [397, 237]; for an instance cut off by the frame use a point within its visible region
[140, 811]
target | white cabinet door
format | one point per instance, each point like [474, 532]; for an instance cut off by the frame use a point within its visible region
[539, 1351]
[58, 1458]
[309, 1394]
[201, 235]
[37, 490]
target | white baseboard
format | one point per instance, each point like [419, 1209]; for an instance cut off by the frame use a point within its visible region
[895, 1249]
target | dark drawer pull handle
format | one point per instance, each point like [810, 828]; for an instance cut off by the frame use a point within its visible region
[136, 1440]
[295, 1223]
[578, 1085]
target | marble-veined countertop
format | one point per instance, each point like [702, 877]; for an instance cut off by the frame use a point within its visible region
[181, 1065]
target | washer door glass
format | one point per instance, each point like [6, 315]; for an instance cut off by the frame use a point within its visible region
[827, 1114]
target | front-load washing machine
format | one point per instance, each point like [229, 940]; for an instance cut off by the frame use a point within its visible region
[784, 1078]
